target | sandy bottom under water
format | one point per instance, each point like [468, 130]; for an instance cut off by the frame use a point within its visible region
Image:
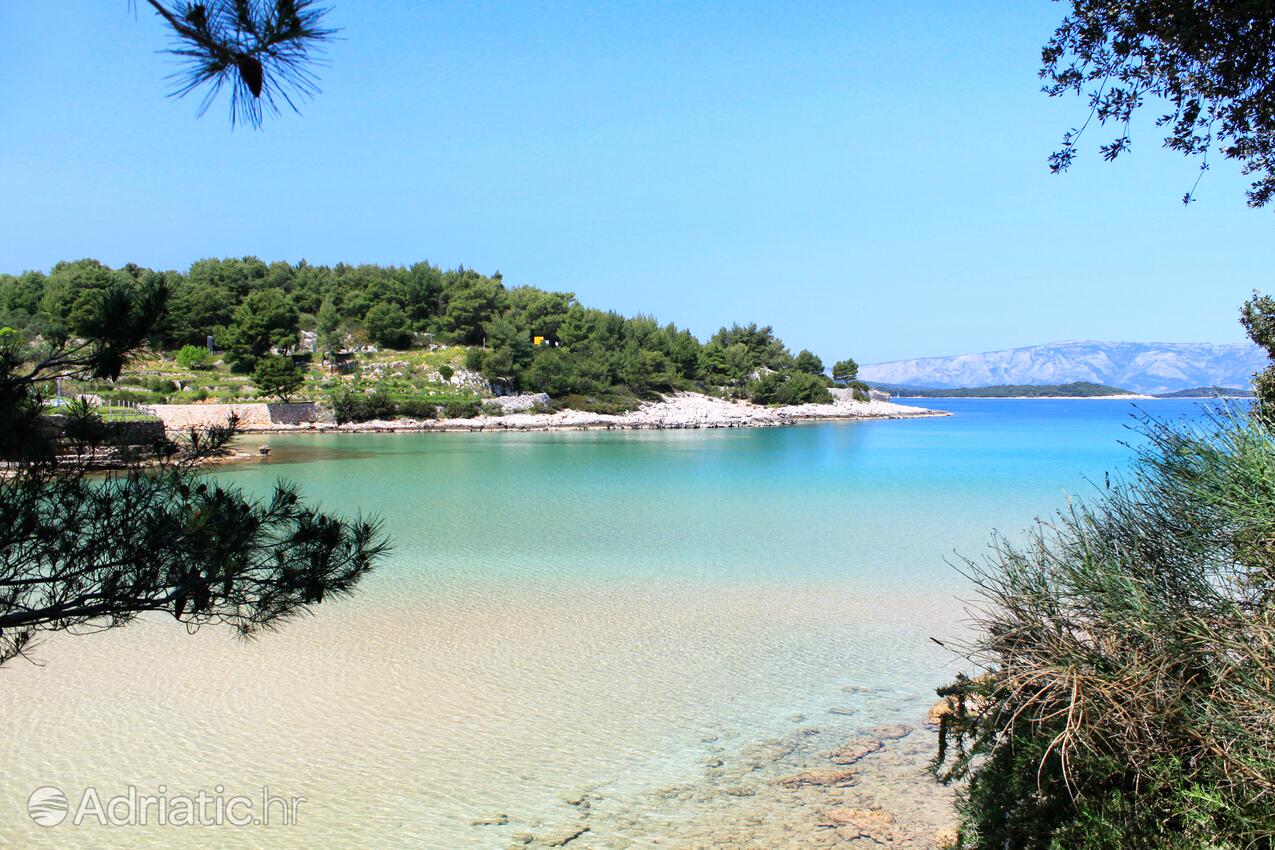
[662, 717]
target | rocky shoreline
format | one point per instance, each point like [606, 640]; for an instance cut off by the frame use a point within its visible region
[682, 410]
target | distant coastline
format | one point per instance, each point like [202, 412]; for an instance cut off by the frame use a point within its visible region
[1113, 397]
[1075, 389]
[1152, 367]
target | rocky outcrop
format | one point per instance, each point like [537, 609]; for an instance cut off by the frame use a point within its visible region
[520, 403]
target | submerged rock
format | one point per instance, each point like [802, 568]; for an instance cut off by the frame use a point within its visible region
[892, 732]
[873, 824]
[562, 837]
[820, 776]
[856, 750]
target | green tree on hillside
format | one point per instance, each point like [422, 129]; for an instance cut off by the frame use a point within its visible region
[265, 319]
[644, 370]
[538, 311]
[727, 365]
[577, 327]
[328, 326]
[236, 275]
[277, 376]
[471, 303]
[765, 350]
[198, 310]
[807, 362]
[20, 298]
[793, 387]
[386, 324]
[845, 371]
[73, 291]
[508, 354]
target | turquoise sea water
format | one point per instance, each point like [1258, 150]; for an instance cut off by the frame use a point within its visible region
[599, 610]
[880, 501]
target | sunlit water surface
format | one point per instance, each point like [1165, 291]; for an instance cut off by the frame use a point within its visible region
[560, 611]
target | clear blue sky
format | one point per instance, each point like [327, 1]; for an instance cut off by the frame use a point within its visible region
[867, 177]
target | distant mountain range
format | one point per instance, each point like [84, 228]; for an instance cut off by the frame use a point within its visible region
[1144, 367]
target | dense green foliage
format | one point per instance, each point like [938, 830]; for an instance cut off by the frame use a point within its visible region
[789, 388]
[520, 338]
[353, 406]
[388, 325]
[1129, 650]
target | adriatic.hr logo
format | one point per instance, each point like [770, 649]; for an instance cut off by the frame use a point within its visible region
[48, 806]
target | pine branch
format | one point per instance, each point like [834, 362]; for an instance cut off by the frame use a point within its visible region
[262, 51]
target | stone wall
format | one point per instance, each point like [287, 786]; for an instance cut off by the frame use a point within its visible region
[181, 417]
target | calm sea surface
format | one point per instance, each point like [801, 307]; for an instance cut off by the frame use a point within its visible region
[561, 611]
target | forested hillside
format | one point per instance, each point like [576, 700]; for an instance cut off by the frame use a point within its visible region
[518, 339]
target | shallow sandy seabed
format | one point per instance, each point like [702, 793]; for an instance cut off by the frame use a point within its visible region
[403, 722]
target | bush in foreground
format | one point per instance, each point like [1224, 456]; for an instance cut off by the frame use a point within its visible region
[1128, 698]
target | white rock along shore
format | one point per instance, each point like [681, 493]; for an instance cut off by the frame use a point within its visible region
[678, 410]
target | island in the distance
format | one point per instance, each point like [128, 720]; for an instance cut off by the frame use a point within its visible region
[1075, 389]
[1209, 392]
